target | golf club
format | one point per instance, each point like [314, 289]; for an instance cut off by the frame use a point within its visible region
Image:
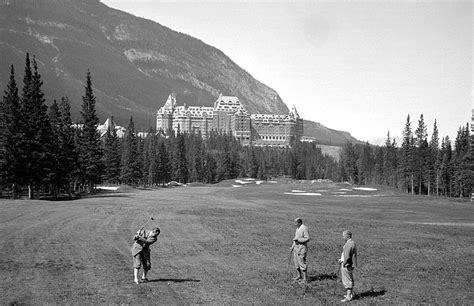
[289, 262]
[338, 271]
[151, 219]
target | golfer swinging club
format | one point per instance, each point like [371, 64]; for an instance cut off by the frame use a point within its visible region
[141, 251]
[299, 250]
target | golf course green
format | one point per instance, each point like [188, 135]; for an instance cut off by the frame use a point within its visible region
[230, 243]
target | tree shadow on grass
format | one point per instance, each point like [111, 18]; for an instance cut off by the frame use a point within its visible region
[60, 198]
[370, 293]
[174, 280]
[86, 196]
[321, 277]
[107, 195]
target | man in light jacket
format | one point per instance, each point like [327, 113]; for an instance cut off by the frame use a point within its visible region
[141, 251]
[348, 262]
[299, 249]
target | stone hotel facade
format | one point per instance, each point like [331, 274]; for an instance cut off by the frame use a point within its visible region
[229, 115]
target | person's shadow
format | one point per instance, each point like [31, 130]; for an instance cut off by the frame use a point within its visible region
[174, 280]
[321, 277]
[370, 293]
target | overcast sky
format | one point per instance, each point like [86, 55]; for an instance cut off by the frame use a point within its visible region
[360, 67]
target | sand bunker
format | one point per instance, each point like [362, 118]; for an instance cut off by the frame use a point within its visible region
[236, 185]
[242, 182]
[108, 187]
[295, 190]
[365, 188]
[304, 193]
[356, 195]
[443, 223]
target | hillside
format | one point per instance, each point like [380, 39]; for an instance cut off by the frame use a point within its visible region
[325, 135]
[135, 63]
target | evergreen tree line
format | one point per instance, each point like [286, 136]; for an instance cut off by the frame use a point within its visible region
[419, 166]
[156, 159]
[43, 152]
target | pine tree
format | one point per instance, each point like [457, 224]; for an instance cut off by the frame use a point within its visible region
[68, 155]
[341, 173]
[112, 155]
[253, 167]
[198, 163]
[446, 166]
[36, 155]
[350, 163]
[461, 180]
[210, 169]
[180, 166]
[330, 169]
[79, 182]
[262, 168]
[90, 143]
[141, 159]
[149, 150]
[23, 144]
[165, 164]
[153, 154]
[468, 164]
[433, 162]
[131, 168]
[407, 158]
[365, 165]
[421, 153]
[277, 166]
[10, 134]
[295, 161]
[57, 173]
[380, 167]
[393, 160]
[158, 165]
[151, 147]
[388, 167]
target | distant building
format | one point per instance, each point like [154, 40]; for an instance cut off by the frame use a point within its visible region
[229, 115]
[184, 118]
[308, 139]
[102, 128]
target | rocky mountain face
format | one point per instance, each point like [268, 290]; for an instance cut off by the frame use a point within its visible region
[135, 63]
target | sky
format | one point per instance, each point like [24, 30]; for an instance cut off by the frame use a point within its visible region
[354, 66]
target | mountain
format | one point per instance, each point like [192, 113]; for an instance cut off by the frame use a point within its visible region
[135, 63]
[326, 135]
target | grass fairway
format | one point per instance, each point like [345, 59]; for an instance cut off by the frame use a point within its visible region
[223, 244]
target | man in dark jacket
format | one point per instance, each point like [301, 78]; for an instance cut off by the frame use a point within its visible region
[141, 251]
[348, 262]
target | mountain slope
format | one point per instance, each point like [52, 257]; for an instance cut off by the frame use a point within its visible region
[135, 63]
[326, 135]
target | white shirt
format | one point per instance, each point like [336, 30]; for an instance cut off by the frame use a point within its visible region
[301, 234]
